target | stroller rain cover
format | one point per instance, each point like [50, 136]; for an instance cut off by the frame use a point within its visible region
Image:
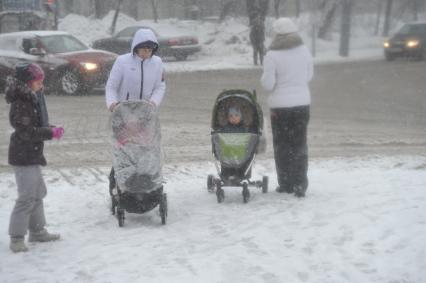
[136, 147]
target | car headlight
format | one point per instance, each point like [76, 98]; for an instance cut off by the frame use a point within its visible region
[89, 66]
[386, 44]
[412, 43]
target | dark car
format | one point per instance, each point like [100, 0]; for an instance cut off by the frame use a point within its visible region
[178, 46]
[409, 41]
[70, 66]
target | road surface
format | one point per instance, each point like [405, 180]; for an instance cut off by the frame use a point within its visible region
[358, 109]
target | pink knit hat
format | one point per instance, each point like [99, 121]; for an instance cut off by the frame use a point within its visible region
[29, 72]
[36, 73]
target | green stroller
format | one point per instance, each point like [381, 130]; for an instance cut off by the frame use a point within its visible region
[235, 149]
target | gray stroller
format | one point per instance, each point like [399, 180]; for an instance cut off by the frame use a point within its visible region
[136, 181]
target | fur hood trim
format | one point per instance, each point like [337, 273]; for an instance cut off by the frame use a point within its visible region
[286, 41]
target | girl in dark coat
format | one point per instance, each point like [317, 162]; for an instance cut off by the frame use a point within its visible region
[29, 119]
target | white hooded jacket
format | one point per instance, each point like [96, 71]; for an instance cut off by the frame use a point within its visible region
[287, 71]
[129, 73]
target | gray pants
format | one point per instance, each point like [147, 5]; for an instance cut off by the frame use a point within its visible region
[28, 212]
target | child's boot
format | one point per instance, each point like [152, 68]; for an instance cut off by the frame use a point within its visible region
[43, 236]
[17, 245]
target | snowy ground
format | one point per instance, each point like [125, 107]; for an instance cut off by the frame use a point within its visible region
[362, 221]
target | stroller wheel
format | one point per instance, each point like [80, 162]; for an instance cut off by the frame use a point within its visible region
[120, 217]
[163, 208]
[246, 193]
[210, 183]
[220, 193]
[265, 182]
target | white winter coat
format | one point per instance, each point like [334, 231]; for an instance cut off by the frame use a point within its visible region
[287, 71]
[126, 78]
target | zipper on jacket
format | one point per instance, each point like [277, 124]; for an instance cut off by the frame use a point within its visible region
[140, 95]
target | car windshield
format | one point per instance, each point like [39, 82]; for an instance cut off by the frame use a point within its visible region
[62, 43]
[413, 29]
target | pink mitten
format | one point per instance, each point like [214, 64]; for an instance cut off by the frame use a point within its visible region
[57, 132]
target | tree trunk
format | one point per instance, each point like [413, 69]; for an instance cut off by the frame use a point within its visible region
[378, 17]
[402, 9]
[257, 10]
[345, 28]
[98, 8]
[154, 5]
[277, 8]
[314, 19]
[298, 9]
[114, 20]
[56, 15]
[388, 13]
[226, 9]
[416, 8]
[329, 13]
[68, 6]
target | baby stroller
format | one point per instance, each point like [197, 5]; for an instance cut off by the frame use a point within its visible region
[234, 152]
[136, 184]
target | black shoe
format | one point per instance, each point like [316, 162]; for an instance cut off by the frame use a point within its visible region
[299, 191]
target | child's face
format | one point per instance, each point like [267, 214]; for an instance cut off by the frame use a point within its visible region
[36, 85]
[234, 119]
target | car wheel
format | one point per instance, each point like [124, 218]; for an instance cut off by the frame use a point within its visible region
[70, 83]
[181, 57]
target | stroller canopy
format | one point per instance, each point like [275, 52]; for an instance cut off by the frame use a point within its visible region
[245, 102]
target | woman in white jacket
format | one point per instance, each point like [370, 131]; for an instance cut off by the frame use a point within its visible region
[137, 75]
[287, 70]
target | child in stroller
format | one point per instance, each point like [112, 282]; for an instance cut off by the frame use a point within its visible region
[237, 124]
[137, 186]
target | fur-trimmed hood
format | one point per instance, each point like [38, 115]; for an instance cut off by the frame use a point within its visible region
[286, 41]
[17, 90]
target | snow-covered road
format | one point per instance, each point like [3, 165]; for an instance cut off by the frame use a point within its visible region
[359, 108]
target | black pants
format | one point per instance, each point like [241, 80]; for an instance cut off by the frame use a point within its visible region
[289, 132]
[112, 182]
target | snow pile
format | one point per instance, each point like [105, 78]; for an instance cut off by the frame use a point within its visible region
[89, 29]
[362, 221]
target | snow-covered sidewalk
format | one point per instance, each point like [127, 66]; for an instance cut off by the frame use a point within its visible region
[363, 220]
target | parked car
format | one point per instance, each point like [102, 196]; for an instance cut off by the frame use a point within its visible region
[177, 45]
[71, 67]
[410, 41]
